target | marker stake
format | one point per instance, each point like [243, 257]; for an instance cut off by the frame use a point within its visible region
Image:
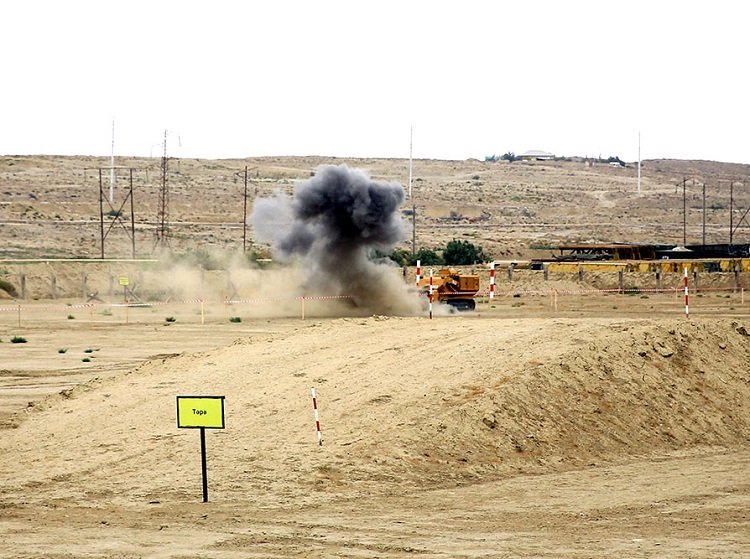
[317, 417]
[492, 281]
[430, 293]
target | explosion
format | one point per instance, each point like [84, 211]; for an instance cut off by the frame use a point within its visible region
[331, 225]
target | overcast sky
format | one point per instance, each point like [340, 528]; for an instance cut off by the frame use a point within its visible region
[349, 78]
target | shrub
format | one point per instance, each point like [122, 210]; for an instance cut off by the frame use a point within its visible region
[170, 319]
[235, 319]
[88, 350]
[71, 317]
[86, 360]
[462, 253]
[18, 340]
[62, 350]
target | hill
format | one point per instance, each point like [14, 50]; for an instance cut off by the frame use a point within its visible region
[50, 205]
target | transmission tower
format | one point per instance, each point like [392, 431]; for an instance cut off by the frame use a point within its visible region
[162, 216]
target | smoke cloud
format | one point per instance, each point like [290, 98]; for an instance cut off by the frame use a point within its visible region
[331, 225]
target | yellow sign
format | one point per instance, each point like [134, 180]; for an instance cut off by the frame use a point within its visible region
[200, 411]
[124, 280]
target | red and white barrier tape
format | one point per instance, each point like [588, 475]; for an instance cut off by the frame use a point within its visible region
[429, 292]
[545, 292]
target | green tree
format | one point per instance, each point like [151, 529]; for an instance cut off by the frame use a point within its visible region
[426, 257]
[459, 253]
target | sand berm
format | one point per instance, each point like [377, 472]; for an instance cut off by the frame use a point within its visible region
[405, 403]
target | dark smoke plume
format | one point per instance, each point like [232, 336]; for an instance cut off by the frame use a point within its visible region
[331, 224]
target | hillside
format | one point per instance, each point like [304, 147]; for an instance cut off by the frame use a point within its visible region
[50, 205]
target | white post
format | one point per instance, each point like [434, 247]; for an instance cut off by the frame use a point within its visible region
[112, 167]
[492, 281]
[411, 134]
[430, 293]
[639, 163]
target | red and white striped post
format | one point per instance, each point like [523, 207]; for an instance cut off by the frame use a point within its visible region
[317, 417]
[685, 278]
[418, 275]
[430, 293]
[492, 281]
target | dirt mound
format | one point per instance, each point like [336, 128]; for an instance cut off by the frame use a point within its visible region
[404, 403]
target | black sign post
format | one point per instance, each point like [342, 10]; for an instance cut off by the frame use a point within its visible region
[201, 412]
[204, 468]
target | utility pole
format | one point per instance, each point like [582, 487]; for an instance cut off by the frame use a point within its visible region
[112, 167]
[413, 204]
[684, 213]
[132, 217]
[244, 216]
[101, 213]
[116, 213]
[704, 213]
[244, 203]
[731, 213]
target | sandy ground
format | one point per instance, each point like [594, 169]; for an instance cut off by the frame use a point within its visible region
[514, 431]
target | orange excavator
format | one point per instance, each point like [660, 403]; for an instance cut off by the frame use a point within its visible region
[453, 288]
